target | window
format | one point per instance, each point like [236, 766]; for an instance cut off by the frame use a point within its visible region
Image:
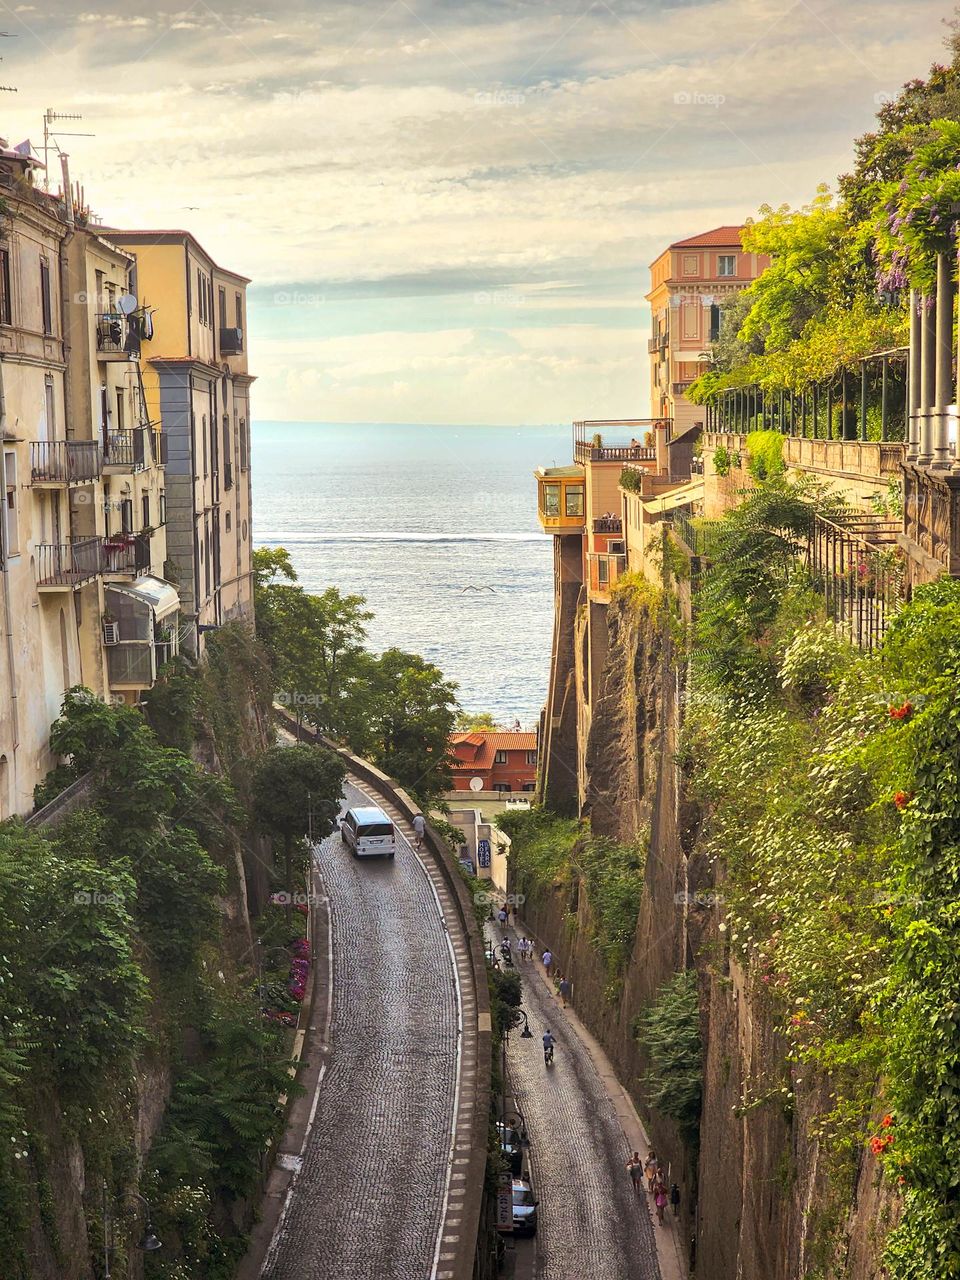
[573, 500]
[551, 500]
[222, 306]
[502, 786]
[239, 301]
[145, 511]
[531, 757]
[163, 506]
[727, 264]
[203, 436]
[529, 786]
[714, 322]
[227, 455]
[229, 522]
[118, 425]
[603, 571]
[201, 298]
[126, 515]
[45, 299]
[500, 758]
[12, 530]
[49, 410]
[6, 298]
[242, 441]
[99, 287]
[691, 264]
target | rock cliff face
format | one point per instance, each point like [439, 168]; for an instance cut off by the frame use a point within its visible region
[761, 1202]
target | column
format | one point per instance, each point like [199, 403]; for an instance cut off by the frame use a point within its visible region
[913, 380]
[928, 379]
[863, 400]
[943, 391]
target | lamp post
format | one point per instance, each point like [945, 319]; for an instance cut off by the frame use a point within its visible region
[149, 1242]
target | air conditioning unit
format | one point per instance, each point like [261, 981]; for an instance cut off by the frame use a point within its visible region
[111, 633]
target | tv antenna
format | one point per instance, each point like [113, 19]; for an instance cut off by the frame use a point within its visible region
[49, 116]
[7, 35]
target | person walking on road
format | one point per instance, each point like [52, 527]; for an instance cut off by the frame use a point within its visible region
[523, 946]
[502, 917]
[650, 1169]
[660, 1200]
[547, 959]
[635, 1170]
[564, 990]
[675, 1199]
[419, 828]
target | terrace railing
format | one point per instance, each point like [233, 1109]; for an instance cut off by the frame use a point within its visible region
[862, 581]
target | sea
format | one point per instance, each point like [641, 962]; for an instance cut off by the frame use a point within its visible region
[436, 526]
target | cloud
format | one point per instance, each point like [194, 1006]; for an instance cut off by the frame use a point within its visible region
[488, 169]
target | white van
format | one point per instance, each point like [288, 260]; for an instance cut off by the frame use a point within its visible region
[368, 832]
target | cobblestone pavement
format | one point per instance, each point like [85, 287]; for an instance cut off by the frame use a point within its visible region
[368, 1202]
[591, 1223]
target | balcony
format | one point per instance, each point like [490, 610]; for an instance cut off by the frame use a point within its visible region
[653, 346]
[608, 524]
[635, 439]
[126, 450]
[64, 462]
[231, 342]
[61, 566]
[117, 336]
[126, 555]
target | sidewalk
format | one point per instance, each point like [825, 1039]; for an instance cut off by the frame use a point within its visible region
[671, 1255]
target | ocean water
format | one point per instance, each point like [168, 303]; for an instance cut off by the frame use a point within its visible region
[437, 527]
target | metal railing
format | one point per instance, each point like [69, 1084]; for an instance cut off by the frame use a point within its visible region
[869, 404]
[67, 564]
[862, 582]
[700, 539]
[126, 449]
[65, 461]
[634, 439]
[126, 554]
[116, 335]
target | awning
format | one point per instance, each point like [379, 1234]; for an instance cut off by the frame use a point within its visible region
[159, 595]
[690, 492]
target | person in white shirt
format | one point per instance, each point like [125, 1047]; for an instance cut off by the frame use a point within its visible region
[419, 827]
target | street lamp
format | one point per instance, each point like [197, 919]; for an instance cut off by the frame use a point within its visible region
[526, 1033]
[149, 1242]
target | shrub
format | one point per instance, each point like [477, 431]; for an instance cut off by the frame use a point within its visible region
[669, 1032]
[722, 460]
[765, 454]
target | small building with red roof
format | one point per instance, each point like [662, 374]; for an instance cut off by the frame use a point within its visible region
[494, 760]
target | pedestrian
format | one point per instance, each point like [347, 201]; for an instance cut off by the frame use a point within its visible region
[502, 917]
[675, 1200]
[660, 1199]
[564, 990]
[650, 1170]
[635, 1170]
[419, 827]
[505, 908]
[523, 946]
[547, 959]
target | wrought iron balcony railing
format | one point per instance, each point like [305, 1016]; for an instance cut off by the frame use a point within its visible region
[65, 461]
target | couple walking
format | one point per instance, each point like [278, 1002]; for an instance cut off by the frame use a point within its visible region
[655, 1174]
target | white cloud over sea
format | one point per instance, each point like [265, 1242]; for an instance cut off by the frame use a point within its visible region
[448, 209]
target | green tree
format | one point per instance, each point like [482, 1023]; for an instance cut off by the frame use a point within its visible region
[296, 790]
[412, 711]
[473, 721]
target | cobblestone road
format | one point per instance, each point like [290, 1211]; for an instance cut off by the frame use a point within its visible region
[369, 1199]
[591, 1224]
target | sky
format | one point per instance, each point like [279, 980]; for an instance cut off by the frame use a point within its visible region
[448, 209]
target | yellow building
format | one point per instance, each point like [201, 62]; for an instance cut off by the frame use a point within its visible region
[194, 368]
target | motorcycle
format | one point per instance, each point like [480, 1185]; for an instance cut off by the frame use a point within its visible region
[548, 1055]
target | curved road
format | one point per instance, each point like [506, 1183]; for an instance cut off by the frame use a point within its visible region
[591, 1222]
[370, 1200]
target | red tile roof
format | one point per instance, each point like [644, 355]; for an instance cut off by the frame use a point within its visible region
[719, 237]
[498, 740]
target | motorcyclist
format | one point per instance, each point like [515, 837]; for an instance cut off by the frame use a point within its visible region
[548, 1044]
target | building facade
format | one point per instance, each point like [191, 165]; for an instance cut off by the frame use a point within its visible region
[196, 384]
[689, 284]
[500, 762]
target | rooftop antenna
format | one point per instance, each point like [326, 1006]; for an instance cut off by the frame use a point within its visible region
[49, 116]
[7, 35]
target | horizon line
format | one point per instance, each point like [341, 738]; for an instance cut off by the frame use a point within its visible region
[355, 422]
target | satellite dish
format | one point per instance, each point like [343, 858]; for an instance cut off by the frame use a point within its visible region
[476, 784]
[127, 304]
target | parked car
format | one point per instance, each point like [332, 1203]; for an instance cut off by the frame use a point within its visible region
[511, 1148]
[524, 1208]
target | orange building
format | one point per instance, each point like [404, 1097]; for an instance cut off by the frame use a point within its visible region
[689, 283]
[501, 761]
